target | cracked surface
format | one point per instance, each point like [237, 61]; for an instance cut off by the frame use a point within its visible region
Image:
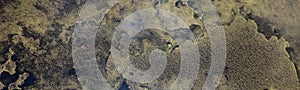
[263, 47]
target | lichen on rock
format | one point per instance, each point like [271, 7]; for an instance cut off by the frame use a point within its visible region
[262, 43]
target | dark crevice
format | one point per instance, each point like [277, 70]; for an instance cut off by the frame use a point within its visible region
[10, 36]
[26, 32]
[30, 80]
[103, 63]
[197, 30]
[116, 20]
[145, 87]
[193, 27]
[103, 53]
[277, 33]
[156, 2]
[41, 8]
[14, 57]
[7, 79]
[291, 52]
[226, 71]
[29, 33]
[4, 47]
[174, 47]
[265, 26]
[72, 72]
[124, 86]
[196, 15]
[71, 28]
[179, 4]
[297, 71]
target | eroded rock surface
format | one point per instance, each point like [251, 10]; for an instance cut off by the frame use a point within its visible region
[262, 44]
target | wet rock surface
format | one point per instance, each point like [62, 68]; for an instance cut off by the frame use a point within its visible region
[262, 36]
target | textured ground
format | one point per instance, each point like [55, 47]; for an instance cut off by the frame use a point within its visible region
[263, 44]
